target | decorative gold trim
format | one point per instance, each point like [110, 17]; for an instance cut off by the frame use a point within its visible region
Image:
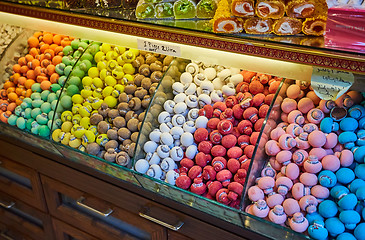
[252, 47]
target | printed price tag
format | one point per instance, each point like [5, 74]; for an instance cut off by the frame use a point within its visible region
[330, 84]
[161, 48]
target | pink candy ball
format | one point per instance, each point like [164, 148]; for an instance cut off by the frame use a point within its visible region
[331, 162]
[317, 138]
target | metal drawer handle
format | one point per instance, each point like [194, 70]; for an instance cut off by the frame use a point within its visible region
[79, 202]
[155, 220]
[6, 236]
[7, 206]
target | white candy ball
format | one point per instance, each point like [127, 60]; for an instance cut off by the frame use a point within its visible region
[177, 88]
[169, 106]
[236, 79]
[150, 147]
[171, 177]
[164, 117]
[155, 135]
[180, 107]
[218, 84]
[191, 68]
[179, 98]
[176, 132]
[168, 164]
[210, 73]
[204, 99]
[187, 139]
[201, 122]
[166, 139]
[155, 159]
[189, 126]
[165, 127]
[176, 153]
[141, 166]
[154, 171]
[178, 120]
[163, 151]
[191, 101]
[186, 77]
[191, 151]
[190, 89]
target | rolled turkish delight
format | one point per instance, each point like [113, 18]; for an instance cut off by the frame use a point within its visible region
[243, 8]
[223, 22]
[287, 26]
[313, 41]
[306, 8]
[164, 10]
[274, 9]
[206, 8]
[145, 10]
[184, 9]
[257, 25]
[314, 26]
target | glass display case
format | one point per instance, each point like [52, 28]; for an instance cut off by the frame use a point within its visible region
[115, 27]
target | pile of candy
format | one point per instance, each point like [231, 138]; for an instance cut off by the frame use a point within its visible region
[312, 182]
[105, 106]
[208, 132]
[30, 95]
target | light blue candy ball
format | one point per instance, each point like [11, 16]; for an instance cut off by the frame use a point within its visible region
[327, 209]
[360, 171]
[355, 184]
[334, 226]
[345, 236]
[350, 218]
[360, 231]
[345, 175]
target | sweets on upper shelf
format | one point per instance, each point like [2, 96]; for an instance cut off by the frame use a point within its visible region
[243, 8]
[223, 22]
[164, 10]
[258, 26]
[206, 8]
[145, 10]
[314, 26]
[287, 26]
[184, 9]
[274, 9]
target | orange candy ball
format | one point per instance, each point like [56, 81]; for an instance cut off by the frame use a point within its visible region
[33, 42]
[46, 85]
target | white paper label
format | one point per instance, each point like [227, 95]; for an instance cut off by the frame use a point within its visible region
[162, 48]
[330, 84]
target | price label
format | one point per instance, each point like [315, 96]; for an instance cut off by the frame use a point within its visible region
[161, 48]
[330, 84]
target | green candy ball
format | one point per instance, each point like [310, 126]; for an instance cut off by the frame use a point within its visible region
[44, 94]
[20, 123]
[44, 131]
[35, 127]
[67, 60]
[51, 97]
[74, 80]
[67, 50]
[85, 65]
[42, 119]
[34, 96]
[83, 45]
[27, 102]
[66, 102]
[29, 124]
[75, 43]
[78, 72]
[27, 113]
[67, 70]
[36, 87]
[12, 119]
[72, 90]
[55, 87]
[37, 103]
[62, 80]
[46, 107]
[60, 68]
[35, 112]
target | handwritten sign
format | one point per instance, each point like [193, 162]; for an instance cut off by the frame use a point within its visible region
[330, 84]
[161, 48]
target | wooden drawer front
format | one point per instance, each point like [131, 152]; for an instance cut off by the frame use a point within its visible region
[10, 234]
[21, 182]
[24, 218]
[64, 231]
[96, 216]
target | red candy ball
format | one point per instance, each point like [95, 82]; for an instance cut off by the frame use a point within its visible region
[201, 134]
[218, 151]
[234, 152]
[229, 141]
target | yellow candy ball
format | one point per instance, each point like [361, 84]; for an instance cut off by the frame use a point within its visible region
[104, 73]
[97, 83]
[93, 72]
[128, 68]
[111, 55]
[56, 135]
[106, 47]
[98, 93]
[85, 122]
[66, 116]
[77, 99]
[111, 101]
[102, 65]
[93, 129]
[135, 51]
[66, 127]
[118, 73]
[79, 132]
[99, 56]
[110, 81]
[88, 137]
[119, 49]
[102, 139]
[85, 93]
[74, 128]
[127, 78]
[96, 104]
[65, 137]
[85, 111]
[112, 64]
[107, 91]
[75, 108]
[87, 81]
[118, 89]
[120, 60]
[74, 142]
[76, 119]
